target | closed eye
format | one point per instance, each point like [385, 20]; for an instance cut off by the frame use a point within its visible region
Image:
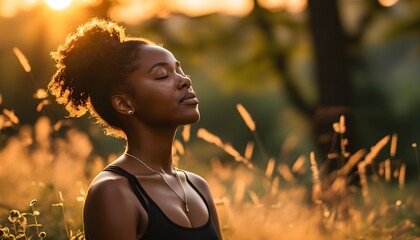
[162, 77]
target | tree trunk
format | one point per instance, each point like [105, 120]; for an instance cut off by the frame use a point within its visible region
[332, 72]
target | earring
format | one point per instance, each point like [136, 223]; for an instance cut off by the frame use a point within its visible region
[130, 112]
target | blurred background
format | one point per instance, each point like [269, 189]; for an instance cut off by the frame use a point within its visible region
[295, 65]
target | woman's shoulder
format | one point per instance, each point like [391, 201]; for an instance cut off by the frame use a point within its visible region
[111, 209]
[195, 177]
[198, 181]
[108, 183]
[108, 194]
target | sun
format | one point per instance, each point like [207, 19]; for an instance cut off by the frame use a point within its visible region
[58, 4]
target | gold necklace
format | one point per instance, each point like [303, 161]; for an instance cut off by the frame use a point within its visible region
[185, 199]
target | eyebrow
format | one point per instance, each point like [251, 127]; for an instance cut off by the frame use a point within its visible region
[177, 64]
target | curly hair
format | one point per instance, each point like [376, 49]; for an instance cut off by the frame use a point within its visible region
[92, 64]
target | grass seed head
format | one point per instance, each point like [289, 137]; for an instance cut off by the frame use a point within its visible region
[246, 117]
[22, 59]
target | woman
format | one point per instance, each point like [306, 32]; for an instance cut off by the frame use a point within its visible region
[136, 90]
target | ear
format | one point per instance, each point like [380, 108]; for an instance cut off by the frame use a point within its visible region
[122, 104]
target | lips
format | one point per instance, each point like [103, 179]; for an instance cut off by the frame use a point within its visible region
[189, 98]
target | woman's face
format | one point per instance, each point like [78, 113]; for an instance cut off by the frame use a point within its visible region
[163, 93]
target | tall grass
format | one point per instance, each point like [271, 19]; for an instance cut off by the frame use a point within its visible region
[364, 197]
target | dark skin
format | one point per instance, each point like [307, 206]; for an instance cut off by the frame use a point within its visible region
[163, 101]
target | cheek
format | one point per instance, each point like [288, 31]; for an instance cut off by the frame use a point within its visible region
[155, 105]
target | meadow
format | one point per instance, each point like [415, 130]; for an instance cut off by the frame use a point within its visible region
[45, 171]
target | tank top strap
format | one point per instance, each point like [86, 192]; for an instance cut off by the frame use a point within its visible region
[134, 184]
[197, 191]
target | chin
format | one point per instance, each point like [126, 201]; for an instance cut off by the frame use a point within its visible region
[193, 118]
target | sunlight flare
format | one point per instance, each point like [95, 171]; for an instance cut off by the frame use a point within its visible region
[388, 3]
[58, 4]
[273, 4]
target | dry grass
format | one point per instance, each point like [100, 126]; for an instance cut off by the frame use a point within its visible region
[253, 203]
[340, 208]
[270, 203]
[34, 164]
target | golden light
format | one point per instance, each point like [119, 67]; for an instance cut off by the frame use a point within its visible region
[296, 6]
[136, 11]
[388, 3]
[199, 8]
[58, 4]
[292, 6]
[273, 4]
[9, 8]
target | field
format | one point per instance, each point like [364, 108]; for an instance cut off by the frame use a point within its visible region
[46, 169]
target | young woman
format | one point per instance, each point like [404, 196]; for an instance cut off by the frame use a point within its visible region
[136, 90]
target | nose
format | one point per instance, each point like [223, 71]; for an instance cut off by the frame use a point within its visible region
[184, 82]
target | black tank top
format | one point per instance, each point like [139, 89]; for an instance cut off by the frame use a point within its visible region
[159, 226]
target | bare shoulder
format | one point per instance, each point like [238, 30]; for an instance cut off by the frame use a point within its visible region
[107, 183]
[199, 182]
[195, 178]
[110, 208]
[107, 191]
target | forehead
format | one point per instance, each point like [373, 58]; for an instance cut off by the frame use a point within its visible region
[152, 54]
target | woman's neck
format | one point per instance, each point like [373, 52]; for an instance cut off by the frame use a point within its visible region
[154, 148]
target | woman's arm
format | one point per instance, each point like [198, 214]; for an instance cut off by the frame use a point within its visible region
[109, 211]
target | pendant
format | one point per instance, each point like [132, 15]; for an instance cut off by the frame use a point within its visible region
[186, 208]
